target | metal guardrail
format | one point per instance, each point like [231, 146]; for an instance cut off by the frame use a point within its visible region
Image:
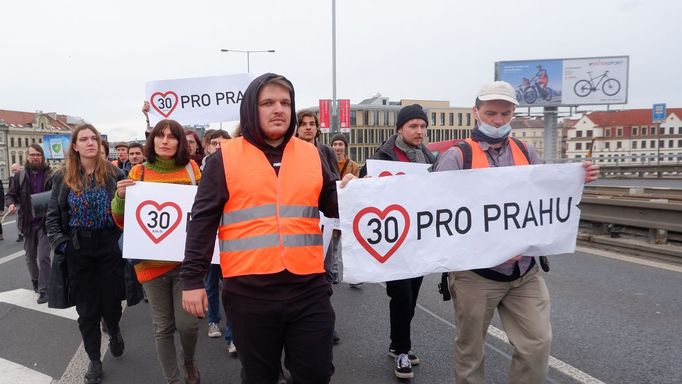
[640, 213]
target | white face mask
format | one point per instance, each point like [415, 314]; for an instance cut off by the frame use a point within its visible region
[492, 132]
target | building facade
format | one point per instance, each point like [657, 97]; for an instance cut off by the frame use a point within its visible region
[373, 121]
[628, 136]
[19, 129]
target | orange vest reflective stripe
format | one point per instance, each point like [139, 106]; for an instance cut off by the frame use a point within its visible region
[480, 160]
[270, 222]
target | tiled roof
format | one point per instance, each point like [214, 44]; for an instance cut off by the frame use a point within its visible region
[16, 117]
[627, 117]
[522, 122]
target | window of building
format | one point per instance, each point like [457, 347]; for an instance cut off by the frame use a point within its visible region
[643, 144]
[661, 143]
[459, 120]
[365, 116]
[433, 118]
[577, 156]
[671, 130]
[607, 132]
[14, 159]
[353, 153]
[25, 141]
[619, 144]
[523, 134]
[33, 140]
[679, 130]
[361, 138]
[588, 146]
[652, 143]
[353, 118]
[451, 119]
[588, 133]
[376, 118]
[634, 145]
[634, 131]
[468, 119]
[21, 158]
[607, 145]
[619, 132]
[661, 130]
[386, 118]
[11, 144]
[679, 143]
[652, 131]
[442, 119]
[578, 146]
[513, 134]
[578, 133]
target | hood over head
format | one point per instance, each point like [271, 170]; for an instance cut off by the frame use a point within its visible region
[248, 111]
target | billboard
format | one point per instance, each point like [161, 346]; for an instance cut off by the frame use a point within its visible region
[344, 115]
[56, 146]
[558, 82]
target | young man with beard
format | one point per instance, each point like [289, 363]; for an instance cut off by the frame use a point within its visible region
[514, 288]
[406, 145]
[35, 178]
[263, 192]
[309, 130]
[135, 154]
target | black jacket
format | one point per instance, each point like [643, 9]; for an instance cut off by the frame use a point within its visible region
[57, 221]
[386, 152]
[19, 194]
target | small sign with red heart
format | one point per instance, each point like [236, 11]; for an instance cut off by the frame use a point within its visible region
[158, 220]
[164, 102]
[381, 232]
[388, 173]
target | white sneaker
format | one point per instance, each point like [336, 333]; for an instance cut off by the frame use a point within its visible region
[213, 330]
[231, 348]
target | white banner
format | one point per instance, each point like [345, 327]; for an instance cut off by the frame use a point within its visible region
[199, 100]
[402, 227]
[155, 225]
[381, 168]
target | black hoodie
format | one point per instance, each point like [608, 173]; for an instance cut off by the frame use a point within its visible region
[212, 195]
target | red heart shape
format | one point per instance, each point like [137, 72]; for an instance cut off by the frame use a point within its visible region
[163, 96]
[159, 208]
[387, 173]
[382, 215]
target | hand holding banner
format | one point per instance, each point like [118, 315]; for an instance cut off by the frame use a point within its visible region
[402, 227]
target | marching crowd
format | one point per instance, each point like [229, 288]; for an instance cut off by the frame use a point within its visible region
[262, 192]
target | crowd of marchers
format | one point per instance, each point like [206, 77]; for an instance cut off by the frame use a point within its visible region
[262, 191]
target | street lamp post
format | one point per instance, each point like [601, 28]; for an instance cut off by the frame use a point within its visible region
[248, 55]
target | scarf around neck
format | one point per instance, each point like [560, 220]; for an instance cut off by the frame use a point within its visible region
[414, 154]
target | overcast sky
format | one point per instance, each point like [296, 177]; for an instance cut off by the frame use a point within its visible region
[92, 58]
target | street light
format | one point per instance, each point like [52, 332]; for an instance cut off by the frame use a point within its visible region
[248, 55]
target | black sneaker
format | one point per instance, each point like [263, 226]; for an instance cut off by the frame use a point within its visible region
[35, 285]
[94, 373]
[414, 360]
[403, 367]
[116, 345]
[42, 298]
[20, 238]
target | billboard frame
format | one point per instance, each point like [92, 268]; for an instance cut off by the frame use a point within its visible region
[498, 66]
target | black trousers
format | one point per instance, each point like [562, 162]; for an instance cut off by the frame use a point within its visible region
[303, 327]
[97, 287]
[403, 294]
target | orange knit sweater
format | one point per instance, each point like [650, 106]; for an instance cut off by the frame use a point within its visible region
[161, 171]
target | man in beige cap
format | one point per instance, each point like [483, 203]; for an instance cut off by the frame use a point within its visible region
[514, 287]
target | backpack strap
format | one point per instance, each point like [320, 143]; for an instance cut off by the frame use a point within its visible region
[190, 173]
[521, 146]
[142, 173]
[466, 153]
[345, 165]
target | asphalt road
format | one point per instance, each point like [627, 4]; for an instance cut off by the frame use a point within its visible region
[613, 322]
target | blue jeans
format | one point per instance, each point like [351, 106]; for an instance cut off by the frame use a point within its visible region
[212, 284]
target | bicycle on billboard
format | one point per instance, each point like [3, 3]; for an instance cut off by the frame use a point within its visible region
[609, 85]
[529, 90]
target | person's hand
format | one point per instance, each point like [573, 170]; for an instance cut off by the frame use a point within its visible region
[195, 302]
[121, 187]
[591, 171]
[346, 179]
[145, 108]
[12, 208]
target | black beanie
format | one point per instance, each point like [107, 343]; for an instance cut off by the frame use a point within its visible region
[340, 137]
[410, 112]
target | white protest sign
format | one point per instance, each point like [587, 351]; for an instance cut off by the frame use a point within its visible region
[402, 227]
[197, 100]
[380, 168]
[155, 224]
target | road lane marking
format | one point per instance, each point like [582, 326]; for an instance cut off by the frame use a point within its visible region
[12, 257]
[14, 373]
[564, 368]
[27, 299]
[9, 222]
[630, 259]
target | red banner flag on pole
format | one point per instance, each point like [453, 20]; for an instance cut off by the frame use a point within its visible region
[325, 107]
[344, 115]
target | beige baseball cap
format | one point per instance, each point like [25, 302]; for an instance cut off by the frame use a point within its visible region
[498, 90]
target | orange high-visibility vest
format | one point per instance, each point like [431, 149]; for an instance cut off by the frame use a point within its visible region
[480, 160]
[271, 222]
